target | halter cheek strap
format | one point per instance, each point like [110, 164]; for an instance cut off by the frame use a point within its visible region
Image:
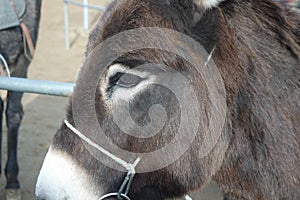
[125, 187]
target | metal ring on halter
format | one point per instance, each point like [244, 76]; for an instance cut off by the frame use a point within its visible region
[114, 195]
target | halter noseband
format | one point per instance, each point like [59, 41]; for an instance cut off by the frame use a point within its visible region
[129, 167]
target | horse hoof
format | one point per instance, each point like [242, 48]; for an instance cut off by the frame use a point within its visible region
[13, 194]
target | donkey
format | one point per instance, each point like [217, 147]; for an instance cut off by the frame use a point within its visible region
[17, 60]
[255, 46]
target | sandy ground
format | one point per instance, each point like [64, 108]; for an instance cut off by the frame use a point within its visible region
[43, 114]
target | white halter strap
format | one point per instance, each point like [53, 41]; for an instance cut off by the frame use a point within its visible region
[118, 160]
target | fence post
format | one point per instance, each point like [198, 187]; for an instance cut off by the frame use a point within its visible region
[85, 15]
[67, 24]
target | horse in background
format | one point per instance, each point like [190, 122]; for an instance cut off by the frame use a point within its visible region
[16, 52]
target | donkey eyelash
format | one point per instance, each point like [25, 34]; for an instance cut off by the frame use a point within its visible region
[115, 79]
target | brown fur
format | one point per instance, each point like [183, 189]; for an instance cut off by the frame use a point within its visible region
[257, 52]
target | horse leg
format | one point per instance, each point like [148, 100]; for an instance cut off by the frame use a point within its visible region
[14, 115]
[1, 115]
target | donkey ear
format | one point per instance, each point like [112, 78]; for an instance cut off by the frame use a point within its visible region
[207, 4]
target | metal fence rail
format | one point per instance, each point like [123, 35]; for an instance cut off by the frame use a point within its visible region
[86, 6]
[36, 86]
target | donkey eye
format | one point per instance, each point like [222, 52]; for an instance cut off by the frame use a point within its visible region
[128, 80]
[115, 78]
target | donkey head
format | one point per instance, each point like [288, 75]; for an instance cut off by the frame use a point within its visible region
[147, 90]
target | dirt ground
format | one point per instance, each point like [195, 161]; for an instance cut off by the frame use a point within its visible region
[43, 114]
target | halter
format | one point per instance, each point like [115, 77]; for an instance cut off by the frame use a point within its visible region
[125, 187]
